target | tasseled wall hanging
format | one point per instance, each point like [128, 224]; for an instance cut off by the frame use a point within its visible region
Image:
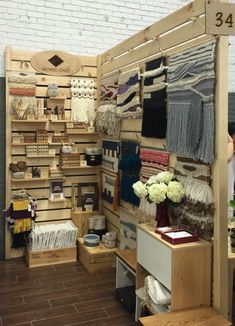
[154, 99]
[19, 215]
[128, 227]
[190, 121]
[130, 165]
[107, 121]
[82, 100]
[22, 91]
[128, 97]
[196, 212]
[152, 162]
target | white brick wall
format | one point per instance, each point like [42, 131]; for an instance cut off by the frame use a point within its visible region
[81, 26]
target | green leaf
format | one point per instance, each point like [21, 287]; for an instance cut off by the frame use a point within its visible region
[232, 203]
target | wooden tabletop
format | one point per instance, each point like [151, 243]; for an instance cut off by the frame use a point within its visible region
[128, 256]
[202, 316]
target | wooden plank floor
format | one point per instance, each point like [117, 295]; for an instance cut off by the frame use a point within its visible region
[58, 295]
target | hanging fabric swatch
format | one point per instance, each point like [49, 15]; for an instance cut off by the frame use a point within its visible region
[110, 188]
[152, 162]
[190, 126]
[130, 165]
[128, 227]
[22, 91]
[196, 212]
[82, 100]
[128, 96]
[154, 99]
[107, 121]
[110, 155]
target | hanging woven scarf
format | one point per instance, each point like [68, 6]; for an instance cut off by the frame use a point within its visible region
[128, 97]
[152, 162]
[130, 165]
[82, 101]
[190, 127]
[154, 99]
[107, 121]
[110, 188]
[196, 212]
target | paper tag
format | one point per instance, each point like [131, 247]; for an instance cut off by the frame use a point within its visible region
[29, 208]
[83, 163]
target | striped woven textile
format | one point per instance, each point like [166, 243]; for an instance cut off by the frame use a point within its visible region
[152, 162]
[109, 87]
[128, 96]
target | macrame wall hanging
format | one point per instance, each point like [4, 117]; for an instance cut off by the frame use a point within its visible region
[22, 91]
[152, 162]
[196, 212]
[154, 99]
[130, 165]
[82, 100]
[190, 121]
[107, 121]
[128, 96]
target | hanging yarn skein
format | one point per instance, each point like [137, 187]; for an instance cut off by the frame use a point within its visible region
[82, 100]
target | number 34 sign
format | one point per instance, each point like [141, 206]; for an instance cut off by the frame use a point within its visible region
[220, 18]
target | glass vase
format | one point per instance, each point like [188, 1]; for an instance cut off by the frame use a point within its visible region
[162, 216]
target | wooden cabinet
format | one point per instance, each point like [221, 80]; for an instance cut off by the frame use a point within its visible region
[185, 269]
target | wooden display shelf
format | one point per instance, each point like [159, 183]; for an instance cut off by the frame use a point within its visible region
[58, 200]
[29, 121]
[28, 144]
[82, 133]
[50, 257]
[41, 156]
[80, 167]
[59, 121]
[128, 256]
[28, 179]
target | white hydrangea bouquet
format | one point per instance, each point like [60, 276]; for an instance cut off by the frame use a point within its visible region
[161, 188]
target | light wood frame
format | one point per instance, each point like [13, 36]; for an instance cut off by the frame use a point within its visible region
[181, 30]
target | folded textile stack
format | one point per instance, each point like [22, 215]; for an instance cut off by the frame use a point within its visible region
[52, 236]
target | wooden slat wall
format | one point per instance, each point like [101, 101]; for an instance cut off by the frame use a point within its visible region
[176, 32]
[47, 212]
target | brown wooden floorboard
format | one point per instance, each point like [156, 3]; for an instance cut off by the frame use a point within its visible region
[58, 295]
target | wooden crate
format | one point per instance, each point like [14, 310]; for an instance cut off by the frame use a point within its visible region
[50, 257]
[97, 258]
[69, 160]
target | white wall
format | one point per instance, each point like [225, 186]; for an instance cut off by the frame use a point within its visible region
[83, 27]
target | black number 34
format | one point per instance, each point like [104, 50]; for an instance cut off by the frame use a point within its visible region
[220, 20]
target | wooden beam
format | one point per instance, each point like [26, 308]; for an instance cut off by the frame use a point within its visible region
[220, 187]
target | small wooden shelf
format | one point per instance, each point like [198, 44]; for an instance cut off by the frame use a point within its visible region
[40, 156]
[62, 97]
[80, 167]
[59, 121]
[27, 144]
[28, 179]
[82, 133]
[29, 121]
[58, 200]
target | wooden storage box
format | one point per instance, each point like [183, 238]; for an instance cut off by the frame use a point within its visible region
[50, 257]
[95, 259]
[69, 160]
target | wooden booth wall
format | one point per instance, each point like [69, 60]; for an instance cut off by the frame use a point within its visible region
[19, 61]
[180, 30]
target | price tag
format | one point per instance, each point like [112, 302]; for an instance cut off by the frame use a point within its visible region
[220, 18]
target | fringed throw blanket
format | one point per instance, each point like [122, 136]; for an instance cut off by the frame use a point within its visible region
[128, 97]
[107, 121]
[22, 91]
[154, 100]
[190, 123]
[196, 212]
[82, 100]
[152, 162]
[130, 165]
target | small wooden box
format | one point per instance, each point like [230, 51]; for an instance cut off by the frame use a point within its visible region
[50, 257]
[95, 259]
